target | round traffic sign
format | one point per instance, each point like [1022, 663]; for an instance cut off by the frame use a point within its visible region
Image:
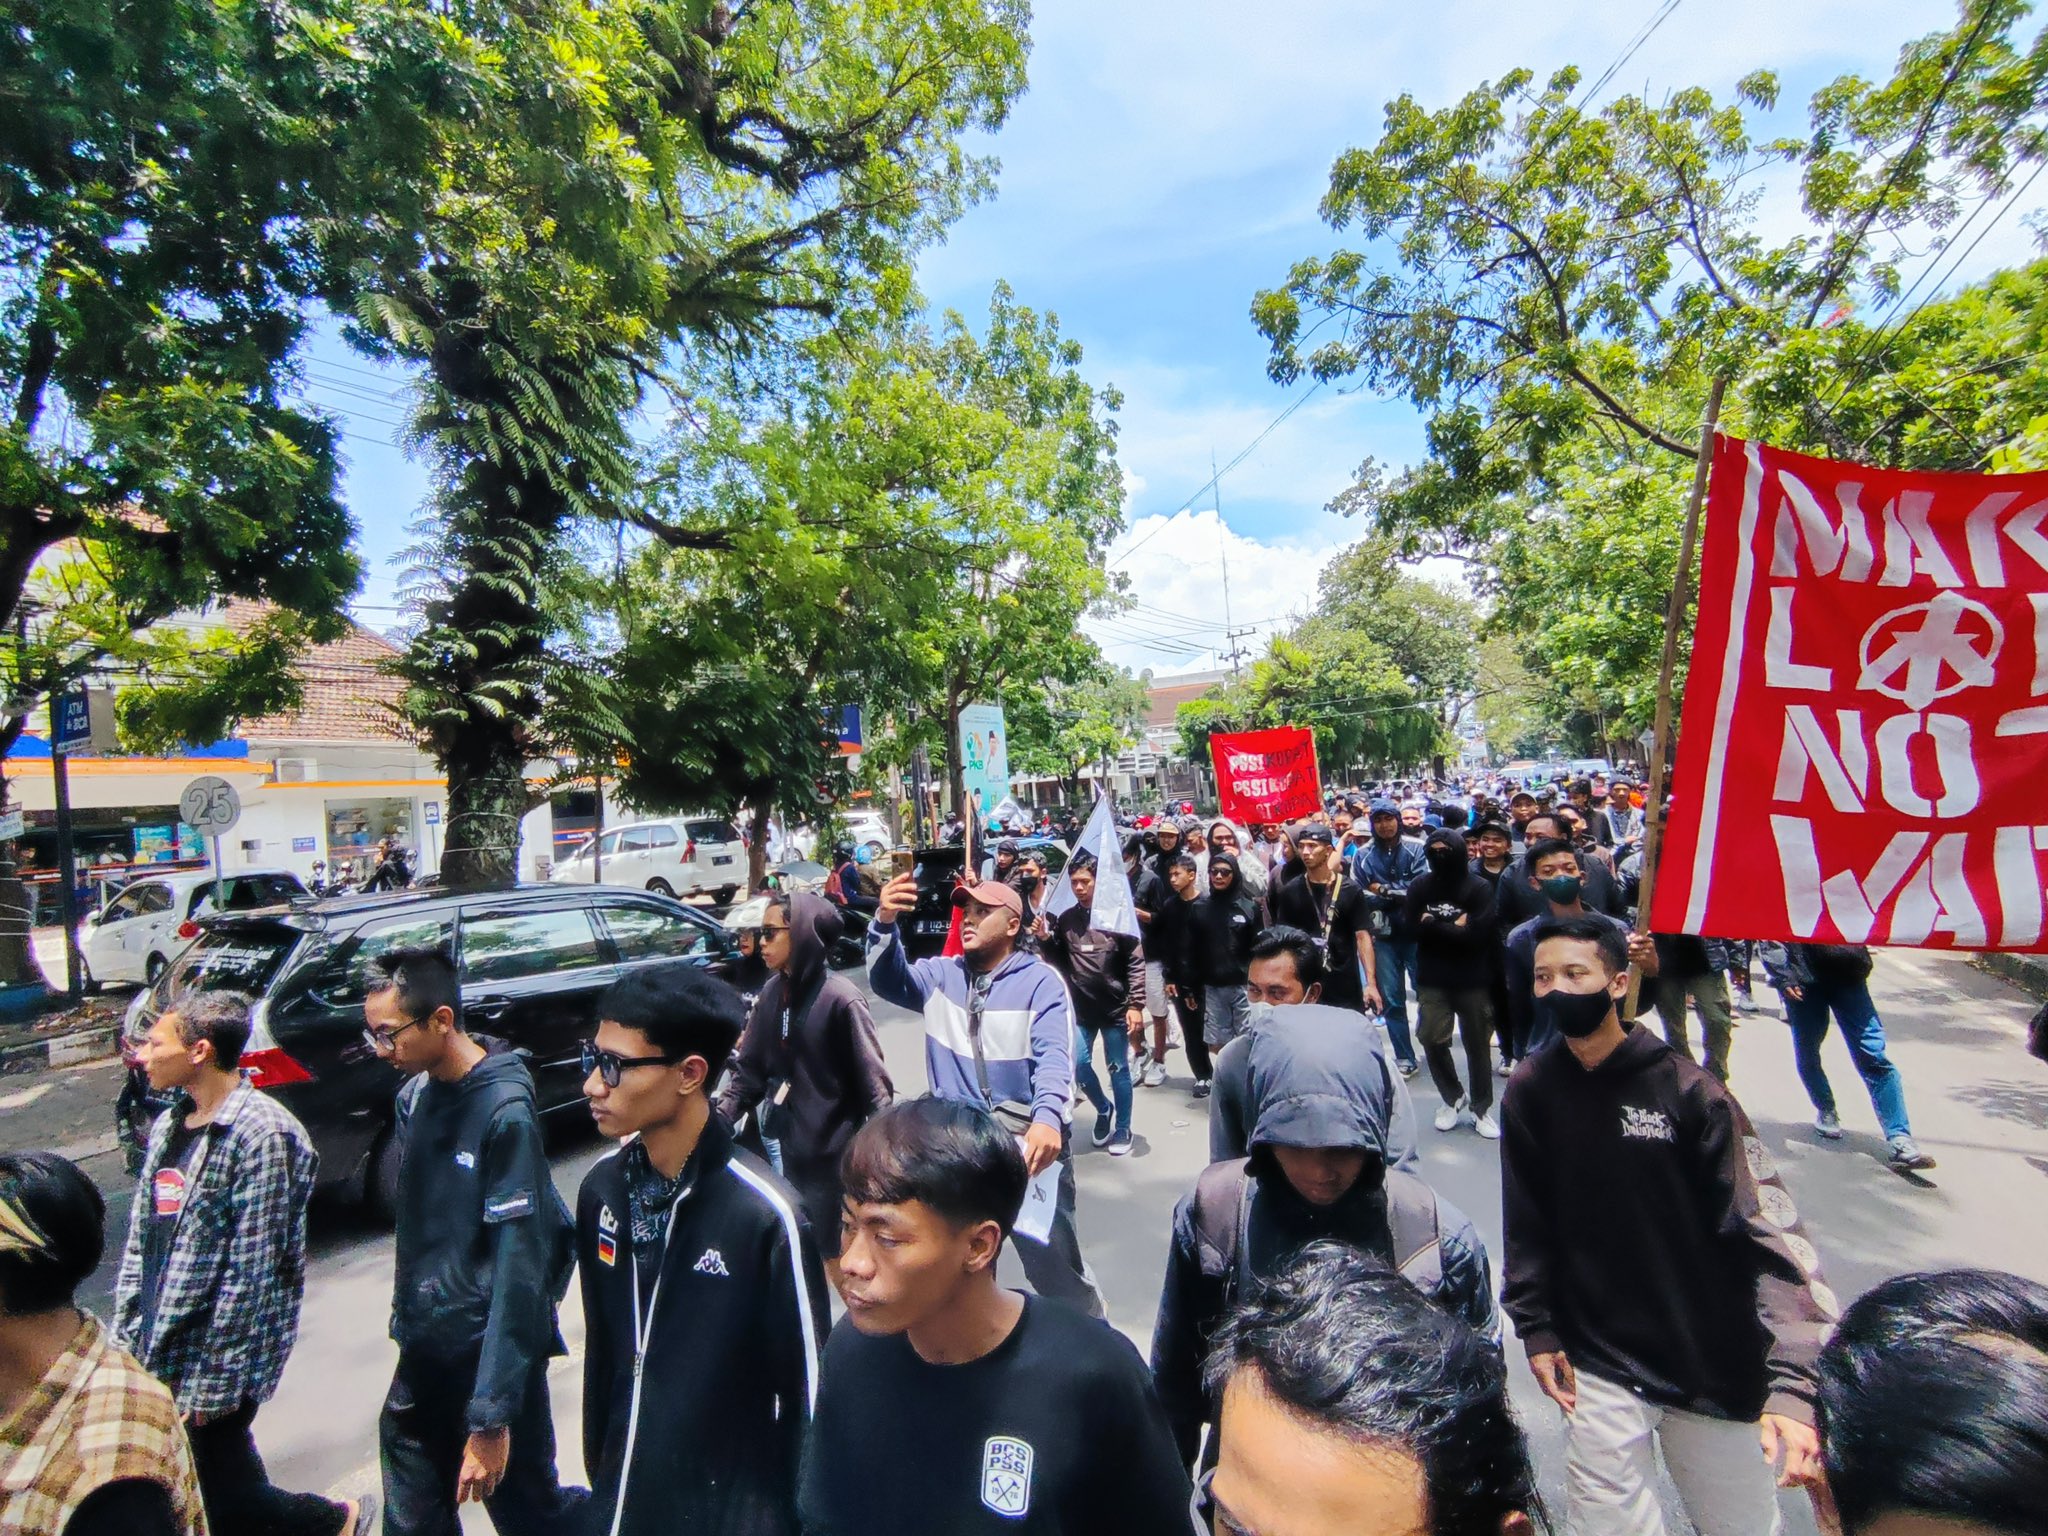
[210, 805]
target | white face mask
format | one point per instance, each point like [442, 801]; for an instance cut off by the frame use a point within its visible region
[1261, 1012]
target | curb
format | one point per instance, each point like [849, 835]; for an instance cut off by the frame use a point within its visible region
[2027, 971]
[60, 1050]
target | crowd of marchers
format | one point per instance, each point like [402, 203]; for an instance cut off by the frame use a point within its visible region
[1328, 1355]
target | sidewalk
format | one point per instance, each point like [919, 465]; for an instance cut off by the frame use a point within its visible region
[81, 1031]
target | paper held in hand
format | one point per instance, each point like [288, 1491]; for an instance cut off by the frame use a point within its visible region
[1041, 1199]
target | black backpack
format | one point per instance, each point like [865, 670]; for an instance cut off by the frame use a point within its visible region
[1223, 1210]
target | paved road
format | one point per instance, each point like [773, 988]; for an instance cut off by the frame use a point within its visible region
[1978, 1102]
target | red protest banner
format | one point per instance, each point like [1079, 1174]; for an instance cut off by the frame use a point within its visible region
[1267, 775]
[1865, 727]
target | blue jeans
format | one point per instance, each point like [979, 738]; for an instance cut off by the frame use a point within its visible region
[1395, 961]
[1864, 1032]
[1116, 1050]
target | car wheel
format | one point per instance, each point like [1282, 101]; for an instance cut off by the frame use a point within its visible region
[877, 848]
[726, 895]
[154, 970]
[661, 888]
[380, 1180]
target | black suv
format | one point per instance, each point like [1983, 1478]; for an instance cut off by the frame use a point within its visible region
[938, 871]
[534, 959]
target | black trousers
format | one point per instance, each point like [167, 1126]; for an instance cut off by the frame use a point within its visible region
[237, 1491]
[422, 1432]
[1191, 1033]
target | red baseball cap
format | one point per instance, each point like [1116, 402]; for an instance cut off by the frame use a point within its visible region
[990, 893]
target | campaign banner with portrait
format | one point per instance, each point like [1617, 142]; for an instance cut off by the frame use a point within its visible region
[1864, 732]
[984, 747]
[1264, 776]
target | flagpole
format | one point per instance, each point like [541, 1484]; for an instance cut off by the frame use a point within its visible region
[1674, 620]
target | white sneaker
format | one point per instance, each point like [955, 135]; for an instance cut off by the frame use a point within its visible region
[1488, 1127]
[1447, 1118]
[1155, 1075]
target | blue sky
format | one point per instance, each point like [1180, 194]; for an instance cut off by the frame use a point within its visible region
[1166, 165]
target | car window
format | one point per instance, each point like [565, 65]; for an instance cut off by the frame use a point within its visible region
[713, 832]
[152, 898]
[241, 958]
[197, 895]
[126, 905]
[345, 977]
[633, 840]
[246, 892]
[504, 946]
[647, 933]
[606, 846]
[661, 837]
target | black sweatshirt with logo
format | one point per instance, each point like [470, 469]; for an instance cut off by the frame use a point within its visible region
[1650, 1237]
[482, 1238]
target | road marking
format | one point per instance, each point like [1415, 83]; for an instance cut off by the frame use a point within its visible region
[26, 1097]
[79, 1151]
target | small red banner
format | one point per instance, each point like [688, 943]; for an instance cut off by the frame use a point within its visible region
[1865, 727]
[1267, 775]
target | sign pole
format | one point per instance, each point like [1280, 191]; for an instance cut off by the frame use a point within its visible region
[67, 872]
[1674, 620]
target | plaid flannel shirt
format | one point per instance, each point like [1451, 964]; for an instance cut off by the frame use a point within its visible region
[95, 1418]
[227, 1314]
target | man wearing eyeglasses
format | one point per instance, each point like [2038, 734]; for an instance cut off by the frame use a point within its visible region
[482, 1262]
[998, 1034]
[704, 1301]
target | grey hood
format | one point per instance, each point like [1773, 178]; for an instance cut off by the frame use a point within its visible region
[1311, 1085]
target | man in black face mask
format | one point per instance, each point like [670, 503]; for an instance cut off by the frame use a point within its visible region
[1450, 910]
[1556, 879]
[1656, 1273]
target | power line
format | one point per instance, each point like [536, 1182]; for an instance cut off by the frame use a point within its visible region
[1187, 503]
[1894, 326]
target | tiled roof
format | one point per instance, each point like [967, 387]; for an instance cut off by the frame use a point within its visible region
[1162, 701]
[348, 694]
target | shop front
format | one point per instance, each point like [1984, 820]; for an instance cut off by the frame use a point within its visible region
[356, 827]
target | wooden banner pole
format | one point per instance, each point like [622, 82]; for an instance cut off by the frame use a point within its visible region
[1674, 620]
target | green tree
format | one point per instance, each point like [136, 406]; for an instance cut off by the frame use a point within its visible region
[166, 172]
[614, 184]
[813, 550]
[1554, 287]
[1077, 726]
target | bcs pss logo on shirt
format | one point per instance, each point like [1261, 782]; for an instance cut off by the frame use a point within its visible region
[1006, 1476]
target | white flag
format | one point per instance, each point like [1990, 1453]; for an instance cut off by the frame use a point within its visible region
[1113, 910]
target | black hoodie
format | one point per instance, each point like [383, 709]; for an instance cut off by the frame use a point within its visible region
[698, 1425]
[1650, 1238]
[1222, 929]
[811, 1030]
[1310, 1086]
[483, 1239]
[1448, 953]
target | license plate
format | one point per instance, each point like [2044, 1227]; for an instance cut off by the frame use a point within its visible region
[721, 858]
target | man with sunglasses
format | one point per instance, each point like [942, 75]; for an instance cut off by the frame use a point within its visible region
[998, 1034]
[482, 1262]
[704, 1302]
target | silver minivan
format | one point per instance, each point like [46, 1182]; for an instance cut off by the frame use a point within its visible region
[675, 856]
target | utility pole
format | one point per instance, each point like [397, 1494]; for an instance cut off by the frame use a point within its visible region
[1236, 654]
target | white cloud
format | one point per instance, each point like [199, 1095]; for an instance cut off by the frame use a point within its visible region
[1176, 568]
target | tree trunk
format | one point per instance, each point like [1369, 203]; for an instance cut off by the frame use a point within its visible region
[757, 846]
[956, 778]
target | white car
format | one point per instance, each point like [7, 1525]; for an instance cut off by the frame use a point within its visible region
[153, 919]
[677, 856]
[869, 828]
